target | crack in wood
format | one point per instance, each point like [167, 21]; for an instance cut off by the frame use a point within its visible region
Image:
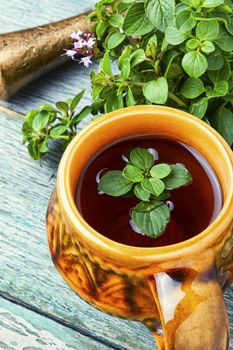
[12, 113]
[59, 320]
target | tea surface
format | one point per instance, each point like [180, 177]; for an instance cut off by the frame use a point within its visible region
[193, 207]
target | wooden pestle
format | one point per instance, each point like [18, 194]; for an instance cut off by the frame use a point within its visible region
[27, 54]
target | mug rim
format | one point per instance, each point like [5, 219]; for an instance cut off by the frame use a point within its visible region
[107, 247]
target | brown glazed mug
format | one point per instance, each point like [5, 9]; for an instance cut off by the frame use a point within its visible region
[175, 290]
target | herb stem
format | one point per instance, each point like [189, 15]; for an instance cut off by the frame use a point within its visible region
[132, 42]
[176, 99]
[139, 84]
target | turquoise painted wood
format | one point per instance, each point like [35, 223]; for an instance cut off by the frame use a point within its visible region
[27, 274]
[23, 329]
[18, 14]
[59, 84]
[26, 270]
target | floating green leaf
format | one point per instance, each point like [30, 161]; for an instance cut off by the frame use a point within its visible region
[140, 193]
[133, 173]
[179, 176]
[151, 218]
[159, 171]
[141, 158]
[114, 184]
[154, 186]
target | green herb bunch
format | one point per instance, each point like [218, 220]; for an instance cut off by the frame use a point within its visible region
[150, 183]
[48, 122]
[168, 52]
[177, 53]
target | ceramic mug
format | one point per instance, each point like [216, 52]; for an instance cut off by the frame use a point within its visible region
[175, 290]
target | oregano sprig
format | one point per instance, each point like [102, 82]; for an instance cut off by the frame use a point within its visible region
[49, 123]
[151, 184]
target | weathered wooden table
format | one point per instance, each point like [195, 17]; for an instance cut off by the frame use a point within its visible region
[37, 309]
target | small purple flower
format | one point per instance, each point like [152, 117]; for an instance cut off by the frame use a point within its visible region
[76, 35]
[83, 48]
[86, 61]
[79, 44]
[70, 53]
[90, 43]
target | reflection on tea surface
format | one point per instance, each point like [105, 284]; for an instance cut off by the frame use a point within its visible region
[193, 207]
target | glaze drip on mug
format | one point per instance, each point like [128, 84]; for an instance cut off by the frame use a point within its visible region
[193, 207]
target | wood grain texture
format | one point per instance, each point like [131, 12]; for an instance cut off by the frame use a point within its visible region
[57, 85]
[19, 14]
[24, 329]
[26, 269]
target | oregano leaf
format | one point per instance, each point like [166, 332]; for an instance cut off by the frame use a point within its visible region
[133, 173]
[114, 183]
[141, 158]
[151, 218]
[140, 193]
[154, 186]
[136, 21]
[179, 176]
[192, 88]
[156, 91]
[194, 63]
[161, 13]
[159, 171]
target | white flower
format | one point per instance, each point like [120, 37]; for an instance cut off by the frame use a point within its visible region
[76, 35]
[70, 53]
[86, 61]
[90, 43]
[79, 44]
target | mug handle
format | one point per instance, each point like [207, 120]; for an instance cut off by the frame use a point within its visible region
[192, 310]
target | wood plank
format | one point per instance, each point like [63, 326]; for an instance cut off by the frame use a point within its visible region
[18, 14]
[26, 270]
[59, 84]
[24, 329]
